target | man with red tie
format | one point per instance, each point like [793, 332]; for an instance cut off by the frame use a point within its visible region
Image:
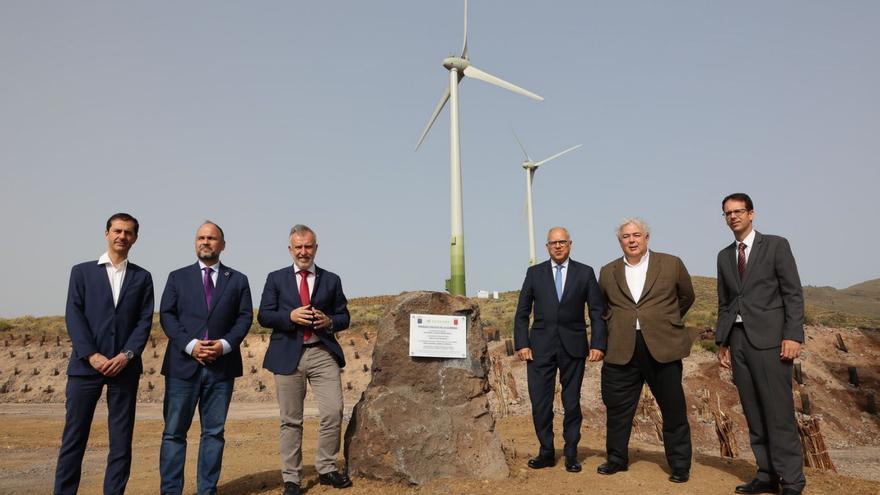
[304, 306]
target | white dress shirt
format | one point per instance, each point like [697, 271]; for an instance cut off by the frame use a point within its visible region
[635, 278]
[215, 271]
[749, 241]
[116, 274]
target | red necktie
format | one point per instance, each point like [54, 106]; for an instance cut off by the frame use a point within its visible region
[741, 260]
[304, 298]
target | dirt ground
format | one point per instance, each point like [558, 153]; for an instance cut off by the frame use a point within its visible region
[31, 418]
[29, 442]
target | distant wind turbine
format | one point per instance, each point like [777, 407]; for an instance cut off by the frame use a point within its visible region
[459, 67]
[531, 167]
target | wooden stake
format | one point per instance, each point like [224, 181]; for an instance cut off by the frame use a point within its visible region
[508, 346]
[798, 374]
[805, 405]
[840, 344]
[853, 376]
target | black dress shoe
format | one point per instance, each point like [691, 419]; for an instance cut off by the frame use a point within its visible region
[791, 491]
[291, 488]
[572, 465]
[541, 462]
[611, 467]
[680, 476]
[335, 479]
[758, 486]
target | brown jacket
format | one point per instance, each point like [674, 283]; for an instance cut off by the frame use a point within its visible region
[667, 296]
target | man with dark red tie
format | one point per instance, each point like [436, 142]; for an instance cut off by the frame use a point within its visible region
[759, 335]
[206, 312]
[304, 306]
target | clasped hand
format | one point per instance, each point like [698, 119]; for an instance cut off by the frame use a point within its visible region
[308, 316]
[207, 351]
[108, 367]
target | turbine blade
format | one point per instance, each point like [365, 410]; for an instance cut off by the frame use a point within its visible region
[476, 73]
[521, 145]
[464, 45]
[532, 173]
[437, 109]
[557, 155]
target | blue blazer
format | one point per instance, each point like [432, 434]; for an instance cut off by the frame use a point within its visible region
[95, 325]
[560, 322]
[185, 315]
[280, 297]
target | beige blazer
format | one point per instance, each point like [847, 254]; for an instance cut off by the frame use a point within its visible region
[666, 297]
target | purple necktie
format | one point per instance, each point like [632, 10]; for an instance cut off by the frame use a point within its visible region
[209, 291]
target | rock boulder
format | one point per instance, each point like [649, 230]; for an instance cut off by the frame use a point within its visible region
[425, 418]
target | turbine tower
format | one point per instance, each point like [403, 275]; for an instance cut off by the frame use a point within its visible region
[531, 167]
[460, 67]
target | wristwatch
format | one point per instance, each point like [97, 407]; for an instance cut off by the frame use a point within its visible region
[129, 355]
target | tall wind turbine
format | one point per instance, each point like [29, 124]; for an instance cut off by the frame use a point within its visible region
[531, 167]
[460, 67]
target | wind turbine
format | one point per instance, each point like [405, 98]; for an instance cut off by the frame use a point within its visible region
[460, 67]
[531, 167]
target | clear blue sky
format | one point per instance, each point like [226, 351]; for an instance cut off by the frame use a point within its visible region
[259, 115]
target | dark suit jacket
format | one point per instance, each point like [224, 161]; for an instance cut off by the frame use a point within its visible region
[666, 297]
[95, 325]
[280, 297]
[770, 298]
[184, 315]
[558, 321]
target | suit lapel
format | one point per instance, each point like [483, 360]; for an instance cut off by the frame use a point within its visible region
[730, 254]
[754, 256]
[222, 281]
[126, 281]
[319, 275]
[197, 281]
[651, 276]
[105, 284]
[547, 274]
[569, 279]
[619, 271]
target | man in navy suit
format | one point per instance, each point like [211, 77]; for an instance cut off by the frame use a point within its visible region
[109, 314]
[556, 291]
[206, 312]
[304, 306]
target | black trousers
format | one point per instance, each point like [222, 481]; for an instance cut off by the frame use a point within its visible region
[621, 389]
[764, 384]
[541, 372]
[83, 393]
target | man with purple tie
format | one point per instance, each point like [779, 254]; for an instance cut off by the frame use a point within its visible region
[109, 314]
[206, 312]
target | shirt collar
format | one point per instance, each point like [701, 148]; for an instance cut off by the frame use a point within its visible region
[310, 269]
[641, 262]
[215, 267]
[749, 241]
[564, 264]
[105, 260]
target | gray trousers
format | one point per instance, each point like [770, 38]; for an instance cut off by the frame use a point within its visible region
[764, 384]
[320, 370]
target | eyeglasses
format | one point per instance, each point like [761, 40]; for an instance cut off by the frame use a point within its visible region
[557, 243]
[734, 213]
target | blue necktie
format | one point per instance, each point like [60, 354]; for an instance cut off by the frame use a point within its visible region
[559, 282]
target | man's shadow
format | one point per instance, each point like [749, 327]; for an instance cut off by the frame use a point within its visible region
[266, 480]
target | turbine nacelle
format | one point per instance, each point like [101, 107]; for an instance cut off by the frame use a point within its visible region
[457, 63]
